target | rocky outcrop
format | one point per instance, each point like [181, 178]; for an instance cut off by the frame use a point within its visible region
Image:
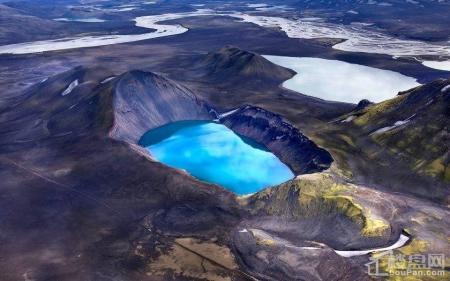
[362, 104]
[145, 100]
[284, 140]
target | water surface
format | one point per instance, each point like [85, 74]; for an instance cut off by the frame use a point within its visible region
[336, 80]
[440, 65]
[211, 152]
[149, 22]
[357, 37]
[89, 20]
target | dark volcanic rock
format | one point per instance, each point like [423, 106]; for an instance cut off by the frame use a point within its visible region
[81, 204]
[144, 100]
[233, 63]
[362, 104]
[269, 257]
[287, 142]
[16, 26]
[43, 112]
[77, 195]
[403, 121]
[411, 133]
[309, 203]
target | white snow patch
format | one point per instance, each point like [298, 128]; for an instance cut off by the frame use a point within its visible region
[310, 248]
[349, 119]
[383, 130]
[396, 125]
[400, 242]
[126, 9]
[445, 89]
[70, 88]
[228, 113]
[107, 79]
[243, 230]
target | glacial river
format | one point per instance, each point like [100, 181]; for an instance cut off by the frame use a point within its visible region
[151, 22]
[357, 37]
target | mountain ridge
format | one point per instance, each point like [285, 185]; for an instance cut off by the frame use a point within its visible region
[233, 63]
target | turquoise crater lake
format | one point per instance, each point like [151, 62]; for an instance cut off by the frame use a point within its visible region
[212, 152]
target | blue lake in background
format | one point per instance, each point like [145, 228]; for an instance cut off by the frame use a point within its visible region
[212, 152]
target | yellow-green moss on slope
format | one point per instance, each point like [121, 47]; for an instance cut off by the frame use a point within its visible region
[402, 263]
[374, 110]
[437, 168]
[318, 195]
